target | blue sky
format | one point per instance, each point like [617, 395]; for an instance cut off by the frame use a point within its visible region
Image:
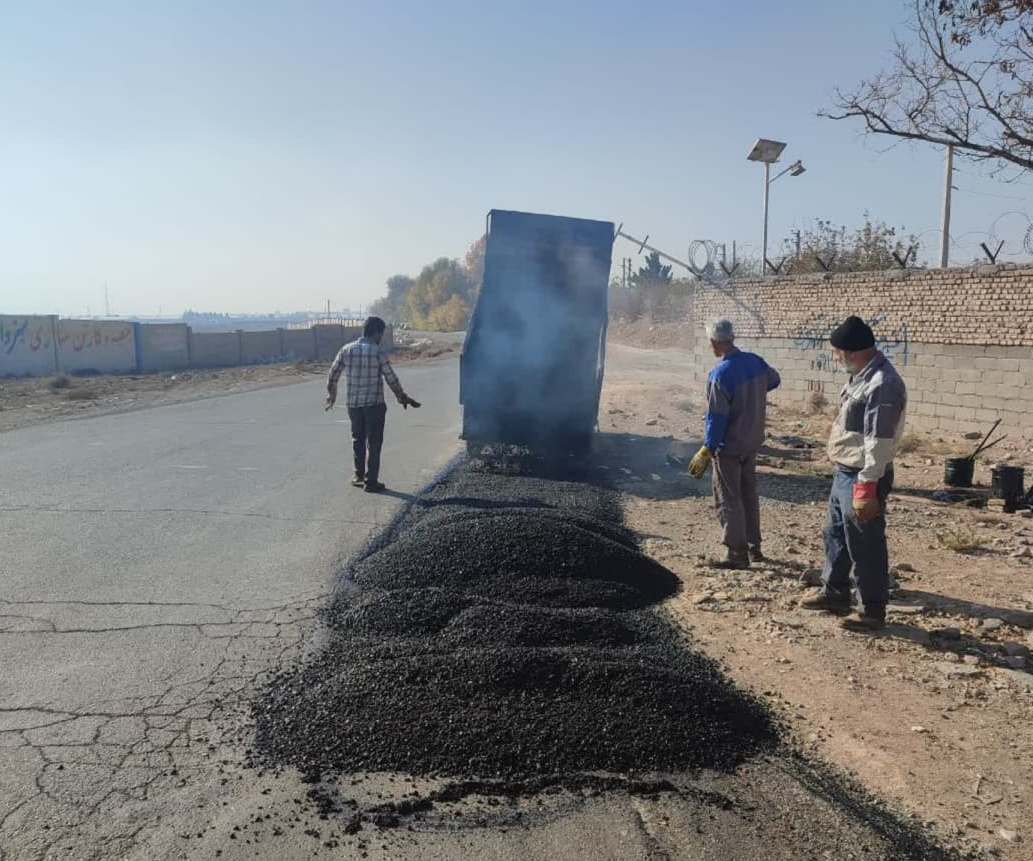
[251, 156]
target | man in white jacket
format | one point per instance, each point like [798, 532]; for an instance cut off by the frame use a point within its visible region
[862, 444]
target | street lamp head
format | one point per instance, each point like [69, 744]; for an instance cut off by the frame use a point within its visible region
[765, 150]
[796, 168]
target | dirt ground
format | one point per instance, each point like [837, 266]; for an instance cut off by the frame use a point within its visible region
[33, 400]
[936, 712]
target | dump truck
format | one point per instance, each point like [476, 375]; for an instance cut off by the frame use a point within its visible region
[531, 369]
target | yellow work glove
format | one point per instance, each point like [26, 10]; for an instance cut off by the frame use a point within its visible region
[698, 465]
[866, 501]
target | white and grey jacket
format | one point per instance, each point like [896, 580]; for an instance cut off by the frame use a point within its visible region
[870, 421]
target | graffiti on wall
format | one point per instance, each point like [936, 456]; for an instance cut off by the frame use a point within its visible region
[27, 333]
[813, 337]
[90, 337]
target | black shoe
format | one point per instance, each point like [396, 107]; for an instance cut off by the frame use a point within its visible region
[375, 487]
[862, 623]
[823, 602]
[757, 555]
[358, 481]
[732, 562]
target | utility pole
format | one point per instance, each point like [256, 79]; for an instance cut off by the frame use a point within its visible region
[945, 238]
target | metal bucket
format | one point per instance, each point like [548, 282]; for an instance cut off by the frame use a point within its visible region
[958, 471]
[1008, 482]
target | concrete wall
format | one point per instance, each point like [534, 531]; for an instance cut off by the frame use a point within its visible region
[259, 347]
[961, 338]
[299, 344]
[214, 349]
[163, 346]
[330, 339]
[44, 345]
[28, 346]
[103, 346]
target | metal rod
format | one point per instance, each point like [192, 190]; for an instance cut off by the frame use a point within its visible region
[642, 244]
[985, 447]
[982, 442]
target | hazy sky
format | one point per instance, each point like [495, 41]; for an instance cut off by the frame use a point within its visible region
[250, 156]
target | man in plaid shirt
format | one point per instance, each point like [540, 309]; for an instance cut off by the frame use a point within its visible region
[365, 368]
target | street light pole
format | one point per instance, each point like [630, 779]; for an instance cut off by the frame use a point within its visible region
[768, 152]
[767, 192]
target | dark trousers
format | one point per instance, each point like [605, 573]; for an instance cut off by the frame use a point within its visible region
[367, 439]
[855, 553]
[735, 496]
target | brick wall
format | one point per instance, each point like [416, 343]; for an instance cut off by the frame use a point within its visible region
[961, 338]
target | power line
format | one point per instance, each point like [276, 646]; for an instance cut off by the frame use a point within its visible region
[989, 194]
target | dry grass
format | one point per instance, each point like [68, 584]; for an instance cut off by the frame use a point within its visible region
[961, 540]
[60, 382]
[81, 395]
[817, 403]
[911, 443]
[685, 405]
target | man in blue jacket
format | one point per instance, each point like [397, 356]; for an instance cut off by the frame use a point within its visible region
[737, 391]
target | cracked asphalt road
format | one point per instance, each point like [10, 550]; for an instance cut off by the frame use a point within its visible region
[153, 566]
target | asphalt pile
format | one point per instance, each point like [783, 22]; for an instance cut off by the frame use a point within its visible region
[504, 628]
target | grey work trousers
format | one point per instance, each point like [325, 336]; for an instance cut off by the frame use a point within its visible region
[855, 552]
[735, 496]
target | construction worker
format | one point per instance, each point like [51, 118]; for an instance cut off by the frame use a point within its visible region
[737, 390]
[365, 368]
[862, 444]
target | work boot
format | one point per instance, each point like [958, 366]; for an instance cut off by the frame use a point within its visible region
[374, 486]
[757, 555]
[826, 603]
[358, 480]
[863, 623]
[736, 560]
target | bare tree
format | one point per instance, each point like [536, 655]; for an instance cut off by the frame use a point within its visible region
[966, 81]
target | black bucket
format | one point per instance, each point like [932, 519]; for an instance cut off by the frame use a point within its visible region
[958, 471]
[1007, 482]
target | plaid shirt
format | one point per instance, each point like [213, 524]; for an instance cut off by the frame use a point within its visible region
[365, 368]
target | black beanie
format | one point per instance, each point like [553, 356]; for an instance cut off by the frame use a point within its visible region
[852, 334]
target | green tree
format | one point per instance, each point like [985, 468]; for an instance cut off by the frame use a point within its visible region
[391, 307]
[474, 262]
[434, 287]
[869, 247]
[449, 317]
[653, 274]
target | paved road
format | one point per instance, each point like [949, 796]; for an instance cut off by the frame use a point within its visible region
[151, 564]
[155, 565]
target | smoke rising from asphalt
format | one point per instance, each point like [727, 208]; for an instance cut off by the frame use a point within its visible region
[533, 357]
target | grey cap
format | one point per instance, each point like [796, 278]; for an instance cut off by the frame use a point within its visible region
[721, 331]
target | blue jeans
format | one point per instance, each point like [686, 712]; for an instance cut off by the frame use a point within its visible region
[855, 553]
